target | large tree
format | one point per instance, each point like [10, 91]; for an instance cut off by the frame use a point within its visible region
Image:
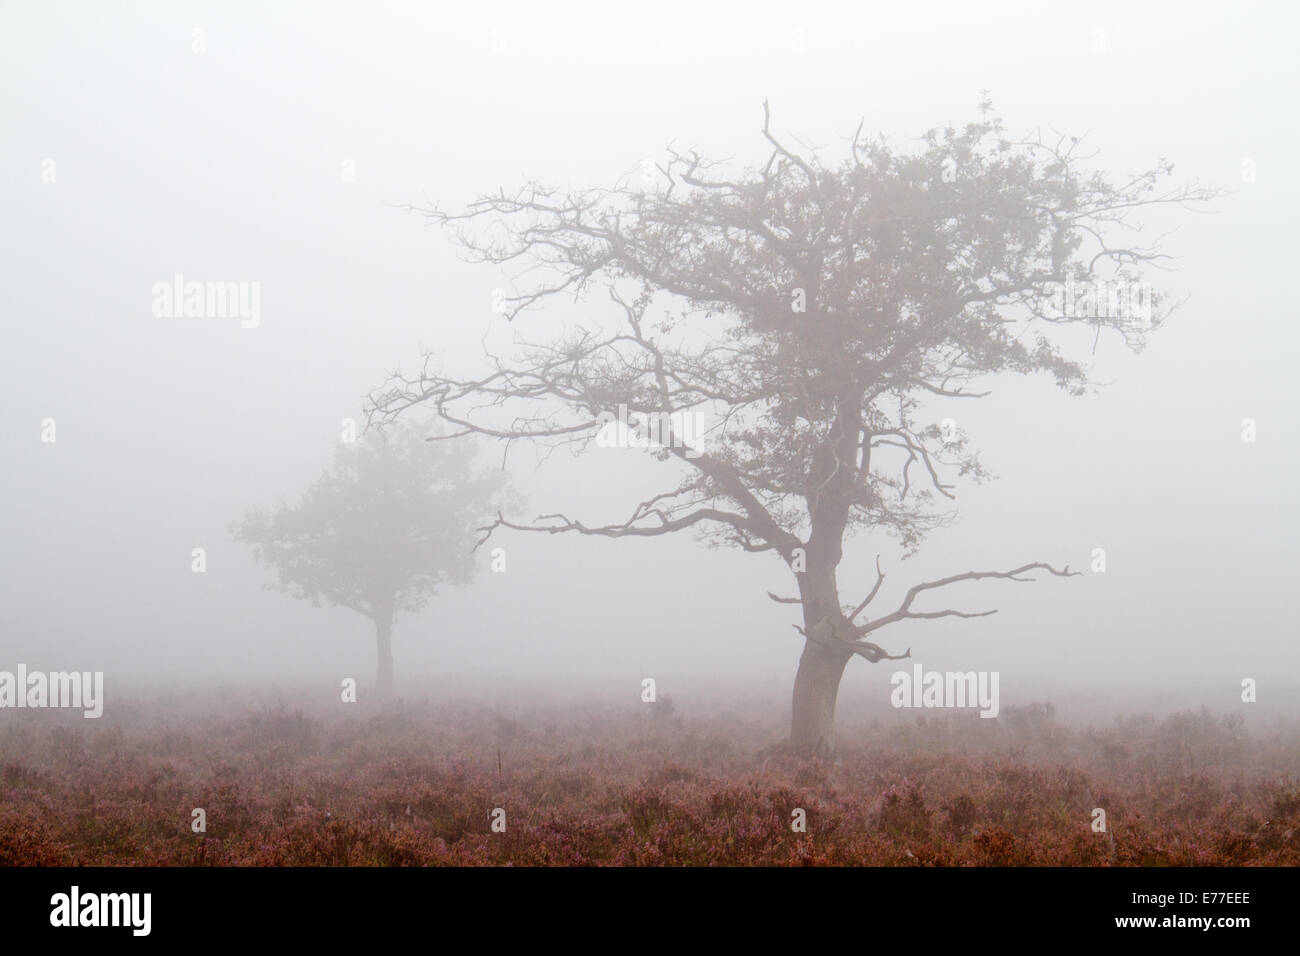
[391, 519]
[806, 311]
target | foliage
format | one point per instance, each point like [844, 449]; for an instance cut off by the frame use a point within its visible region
[389, 521]
[414, 787]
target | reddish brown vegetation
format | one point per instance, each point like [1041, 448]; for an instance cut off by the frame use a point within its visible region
[417, 785]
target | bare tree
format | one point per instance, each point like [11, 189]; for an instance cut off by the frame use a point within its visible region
[393, 518]
[805, 311]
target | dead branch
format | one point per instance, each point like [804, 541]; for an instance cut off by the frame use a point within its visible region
[905, 611]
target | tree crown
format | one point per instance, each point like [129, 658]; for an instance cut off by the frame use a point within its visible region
[806, 310]
[389, 520]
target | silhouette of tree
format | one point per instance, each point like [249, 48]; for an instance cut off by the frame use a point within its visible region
[804, 310]
[389, 521]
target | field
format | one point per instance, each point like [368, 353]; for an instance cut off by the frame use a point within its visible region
[417, 785]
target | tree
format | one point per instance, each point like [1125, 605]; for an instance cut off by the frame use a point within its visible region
[389, 521]
[805, 311]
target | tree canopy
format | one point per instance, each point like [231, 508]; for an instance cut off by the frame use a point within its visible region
[389, 521]
[806, 310]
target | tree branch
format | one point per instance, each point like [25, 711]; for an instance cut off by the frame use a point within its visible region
[823, 632]
[880, 579]
[905, 611]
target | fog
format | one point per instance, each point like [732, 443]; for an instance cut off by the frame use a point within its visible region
[286, 151]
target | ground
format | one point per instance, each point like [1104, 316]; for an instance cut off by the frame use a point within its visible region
[417, 784]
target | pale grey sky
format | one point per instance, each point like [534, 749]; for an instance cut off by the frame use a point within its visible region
[226, 164]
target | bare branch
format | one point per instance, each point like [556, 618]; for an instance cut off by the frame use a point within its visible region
[784, 600]
[905, 608]
[824, 632]
[880, 579]
[628, 529]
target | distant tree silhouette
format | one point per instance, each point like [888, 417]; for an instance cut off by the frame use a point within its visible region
[805, 311]
[389, 521]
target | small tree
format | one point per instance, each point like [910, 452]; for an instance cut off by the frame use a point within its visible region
[391, 519]
[809, 312]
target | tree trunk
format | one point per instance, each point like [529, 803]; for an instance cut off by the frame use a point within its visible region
[815, 687]
[821, 665]
[384, 639]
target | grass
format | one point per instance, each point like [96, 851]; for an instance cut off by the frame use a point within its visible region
[416, 785]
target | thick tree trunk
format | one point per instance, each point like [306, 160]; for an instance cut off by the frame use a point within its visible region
[815, 687]
[384, 640]
[821, 666]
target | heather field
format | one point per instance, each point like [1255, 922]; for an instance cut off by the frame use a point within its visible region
[417, 785]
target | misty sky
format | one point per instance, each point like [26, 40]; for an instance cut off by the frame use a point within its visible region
[227, 165]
